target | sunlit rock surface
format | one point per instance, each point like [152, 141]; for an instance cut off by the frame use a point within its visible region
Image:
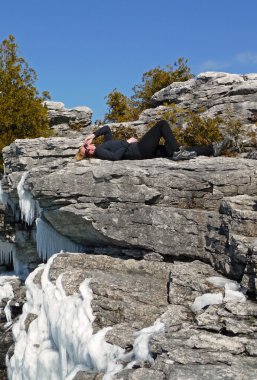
[214, 92]
[67, 121]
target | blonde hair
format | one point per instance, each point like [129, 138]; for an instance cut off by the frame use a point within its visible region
[79, 156]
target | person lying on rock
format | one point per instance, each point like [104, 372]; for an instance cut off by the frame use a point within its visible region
[147, 147]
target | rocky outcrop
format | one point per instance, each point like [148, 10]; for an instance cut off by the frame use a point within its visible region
[152, 234]
[214, 92]
[67, 122]
[200, 209]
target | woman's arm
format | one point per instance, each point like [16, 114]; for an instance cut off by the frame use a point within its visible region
[103, 131]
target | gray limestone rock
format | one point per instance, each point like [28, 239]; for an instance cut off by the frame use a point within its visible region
[66, 122]
[215, 92]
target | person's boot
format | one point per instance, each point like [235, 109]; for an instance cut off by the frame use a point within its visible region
[221, 146]
[183, 154]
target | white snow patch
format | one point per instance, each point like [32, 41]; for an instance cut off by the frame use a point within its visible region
[60, 341]
[26, 202]
[232, 294]
[206, 300]
[49, 241]
[221, 282]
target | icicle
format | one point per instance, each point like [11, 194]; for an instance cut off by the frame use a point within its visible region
[49, 241]
[7, 251]
[26, 202]
[3, 195]
[20, 268]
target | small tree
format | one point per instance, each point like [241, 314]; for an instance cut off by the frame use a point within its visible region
[122, 108]
[22, 114]
[156, 79]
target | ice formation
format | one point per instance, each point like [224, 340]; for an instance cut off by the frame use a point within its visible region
[232, 289]
[6, 291]
[220, 282]
[26, 202]
[7, 251]
[206, 300]
[3, 195]
[141, 344]
[232, 294]
[8, 314]
[60, 341]
[49, 241]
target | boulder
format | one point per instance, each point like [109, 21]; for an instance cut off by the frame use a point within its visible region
[65, 121]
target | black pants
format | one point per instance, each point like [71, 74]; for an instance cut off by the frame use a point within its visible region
[149, 144]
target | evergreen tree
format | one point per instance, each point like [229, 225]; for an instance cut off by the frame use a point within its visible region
[122, 108]
[22, 114]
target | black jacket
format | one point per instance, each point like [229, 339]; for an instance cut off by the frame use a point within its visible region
[115, 150]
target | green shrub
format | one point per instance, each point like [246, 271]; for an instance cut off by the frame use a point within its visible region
[190, 128]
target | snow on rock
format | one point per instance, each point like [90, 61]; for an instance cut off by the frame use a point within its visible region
[206, 300]
[232, 294]
[221, 282]
[60, 340]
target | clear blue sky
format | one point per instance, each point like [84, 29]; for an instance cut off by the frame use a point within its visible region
[81, 50]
